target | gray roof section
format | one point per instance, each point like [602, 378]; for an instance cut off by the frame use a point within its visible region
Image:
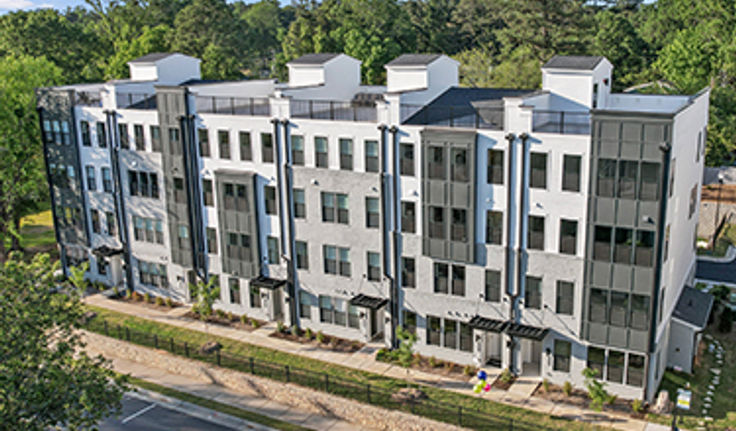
[727, 173]
[314, 59]
[693, 307]
[577, 62]
[413, 60]
[152, 57]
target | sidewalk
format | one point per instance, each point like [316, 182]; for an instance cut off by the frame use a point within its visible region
[364, 359]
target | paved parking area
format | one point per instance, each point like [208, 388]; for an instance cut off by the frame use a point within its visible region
[139, 414]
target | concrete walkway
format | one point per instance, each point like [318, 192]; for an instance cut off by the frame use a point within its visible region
[518, 394]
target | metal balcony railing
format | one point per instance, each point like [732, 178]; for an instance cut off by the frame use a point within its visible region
[564, 122]
[135, 100]
[333, 110]
[464, 116]
[256, 106]
[88, 98]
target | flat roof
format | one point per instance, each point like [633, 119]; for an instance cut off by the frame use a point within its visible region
[693, 307]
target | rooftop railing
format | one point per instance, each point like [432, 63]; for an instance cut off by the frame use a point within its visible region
[135, 100]
[463, 116]
[564, 122]
[257, 106]
[333, 110]
[88, 98]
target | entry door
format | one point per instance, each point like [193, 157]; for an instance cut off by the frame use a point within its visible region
[374, 323]
[532, 354]
[493, 349]
[278, 309]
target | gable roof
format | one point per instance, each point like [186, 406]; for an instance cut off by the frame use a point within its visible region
[413, 60]
[314, 59]
[152, 57]
[577, 62]
[693, 307]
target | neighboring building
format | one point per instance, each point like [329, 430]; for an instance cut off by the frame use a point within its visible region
[544, 230]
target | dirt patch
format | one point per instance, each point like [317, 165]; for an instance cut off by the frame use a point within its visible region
[503, 385]
[320, 340]
[156, 303]
[431, 365]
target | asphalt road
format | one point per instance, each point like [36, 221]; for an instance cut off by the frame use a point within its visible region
[138, 414]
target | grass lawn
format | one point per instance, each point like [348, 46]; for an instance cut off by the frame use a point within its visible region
[723, 409]
[534, 420]
[214, 405]
[37, 234]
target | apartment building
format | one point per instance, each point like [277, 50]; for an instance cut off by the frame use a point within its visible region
[543, 231]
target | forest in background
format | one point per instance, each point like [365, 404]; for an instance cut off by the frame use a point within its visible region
[665, 46]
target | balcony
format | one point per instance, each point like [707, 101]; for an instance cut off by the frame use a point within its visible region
[135, 100]
[334, 110]
[563, 122]
[88, 98]
[254, 106]
[462, 116]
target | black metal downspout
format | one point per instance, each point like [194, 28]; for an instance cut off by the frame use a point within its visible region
[289, 214]
[509, 219]
[521, 253]
[279, 182]
[396, 235]
[663, 201]
[385, 237]
[57, 235]
[119, 197]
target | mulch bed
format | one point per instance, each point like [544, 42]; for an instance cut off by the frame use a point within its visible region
[434, 366]
[231, 321]
[121, 297]
[500, 385]
[579, 398]
[329, 342]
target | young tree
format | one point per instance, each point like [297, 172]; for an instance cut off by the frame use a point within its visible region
[405, 352]
[76, 277]
[206, 294]
[596, 389]
[46, 378]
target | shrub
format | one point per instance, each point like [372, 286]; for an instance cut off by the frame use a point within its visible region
[506, 376]
[449, 366]
[545, 385]
[725, 324]
[432, 361]
[254, 323]
[146, 297]
[159, 301]
[567, 389]
[169, 302]
[334, 341]
[596, 390]
[127, 294]
[136, 296]
[230, 316]
[320, 337]
[280, 326]
[115, 292]
[244, 319]
[221, 314]
[469, 370]
[611, 400]
[637, 406]
[308, 334]
[381, 354]
[294, 330]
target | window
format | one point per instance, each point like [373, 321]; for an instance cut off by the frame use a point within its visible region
[615, 369]
[234, 289]
[374, 266]
[320, 152]
[434, 326]
[269, 194]
[302, 256]
[408, 272]
[179, 194]
[346, 154]
[140, 142]
[598, 312]
[635, 370]
[494, 227]
[353, 317]
[606, 178]
[627, 179]
[342, 208]
[95, 221]
[297, 150]
[371, 155]
[533, 293]
[440, 277]
[495, 167]
[493, 286]
[372, 214]
[693, 201]
[672, 177]
[571, 173]
[325, 309]
[596, 360]
[450, 334]
[408, 217]
[410, 321]
[229, 198]
[536, 233]
[272, 244]
[183, 237]
[459, 226]
[223, 140]
[649, 185]
[110, 219]
[48, 136]
[459, 170]
[209, 199]
[174, 143]
[406, 159]
[639, 318]
[211, 240]
[101, 135]
[437, 222]
[623, 246]
[267, 148]
[305, 305]
[619, 308]
[91, 181]
[334, 207]
[106, 180]
[644, 251]
[155, 138]
[204, 143]
[466, 337]
[568, 236]
[255, 297]
[331, 255]
[565, 297]
[123, 132]
[241, 200]
[246, 151]
[458, 280]
[344, 256]
[538, 178]
[602, 243]
[436, 163]
[300, 208]
[563, 350]
[86, 139]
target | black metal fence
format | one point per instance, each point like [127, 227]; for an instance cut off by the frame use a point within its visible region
[565, 122]
[334, 110]
[453, 116]
[135, 100]
[256, 106]
[348, 388]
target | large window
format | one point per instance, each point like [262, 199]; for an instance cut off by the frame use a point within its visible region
[408, 217]
[336, 260]
[493, 286]
[495, 167]
[143, 184]
[149, 230]
[434, 326]
[459, 225]
[635, 370]
[565, 297]
[297, 150]
[533, 293]
[606, 178]
[371, 155]
[598, 311]
[639, 318]
[255, 296]
[335, 208]
[459, 169]
[374, 266]
[436, 166]
[269, 194]
[602, 243]
[437, 222]
[267, 148]
[494, 227]
[571, 173]
[627, 179]
[619, 309]
[538, 178]
[223, 139]
[458, 280]
[568, 236]
[563, 350]
[208, 193]
[346, 154]
[321, 159]
[440, 277]
[644, 250]
[300, 206]
[174, 141]
[410, 321]
[234, 289]
[372, 213]
[623, 247]
[649, 184]
[204, 142]
[450, 334]
[408, 272]
[302, 255]
[596, 360]
[406, 159]
[246, 149]
[536, 233]
[615, 369]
